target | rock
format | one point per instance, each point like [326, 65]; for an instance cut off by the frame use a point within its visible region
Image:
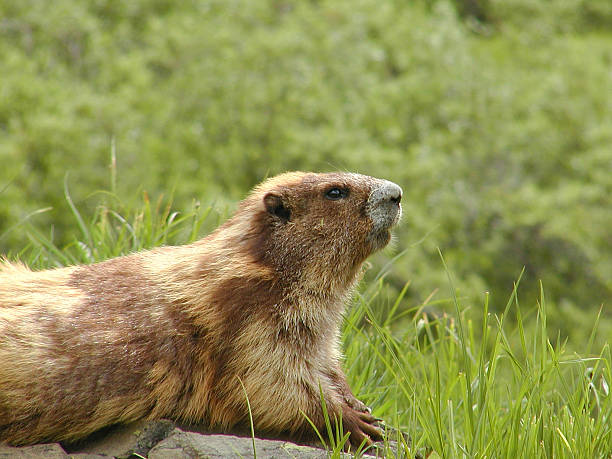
[89, 456]
[45, 451]
[48, 450]
[163, 440]
[189, 445]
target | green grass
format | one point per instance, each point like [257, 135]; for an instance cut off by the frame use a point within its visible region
[504, 389]
[461, 383]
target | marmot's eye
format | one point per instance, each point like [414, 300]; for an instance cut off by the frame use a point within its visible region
[336, 193]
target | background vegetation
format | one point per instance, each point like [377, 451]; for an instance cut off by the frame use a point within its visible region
[495, 116]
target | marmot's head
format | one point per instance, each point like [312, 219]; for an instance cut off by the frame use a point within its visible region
[320, 224]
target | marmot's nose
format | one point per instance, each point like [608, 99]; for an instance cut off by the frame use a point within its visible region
[385, 193]
[394, 192]
[388, 191]
[383, 205]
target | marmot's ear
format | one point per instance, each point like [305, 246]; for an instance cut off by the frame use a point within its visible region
[275, 206]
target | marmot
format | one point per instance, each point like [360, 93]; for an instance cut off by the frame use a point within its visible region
[177, 332]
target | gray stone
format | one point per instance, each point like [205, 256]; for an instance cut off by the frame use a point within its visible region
[89, 456]
[44, 451]
[189, 445]
[162, 440]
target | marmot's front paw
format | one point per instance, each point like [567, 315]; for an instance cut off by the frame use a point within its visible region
[361, 425]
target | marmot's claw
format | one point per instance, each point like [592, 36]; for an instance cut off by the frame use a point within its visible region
[367, 417]
[357, 404]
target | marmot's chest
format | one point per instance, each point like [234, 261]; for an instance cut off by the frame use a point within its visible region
[290, 346]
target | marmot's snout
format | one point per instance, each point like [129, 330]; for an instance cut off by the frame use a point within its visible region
[384, 205]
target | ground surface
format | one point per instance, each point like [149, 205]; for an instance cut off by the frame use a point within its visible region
[163, 440]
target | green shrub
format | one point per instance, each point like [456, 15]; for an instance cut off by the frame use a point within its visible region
[499, 134]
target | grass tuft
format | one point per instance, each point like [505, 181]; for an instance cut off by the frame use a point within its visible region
[465, 382]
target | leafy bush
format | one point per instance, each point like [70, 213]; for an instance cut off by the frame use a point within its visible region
[499, 134]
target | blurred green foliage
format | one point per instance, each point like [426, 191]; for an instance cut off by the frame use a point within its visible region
[494, 116]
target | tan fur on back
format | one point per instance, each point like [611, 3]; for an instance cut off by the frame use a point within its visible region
[172, 332]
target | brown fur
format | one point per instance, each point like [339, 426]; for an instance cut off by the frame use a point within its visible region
[171, 332]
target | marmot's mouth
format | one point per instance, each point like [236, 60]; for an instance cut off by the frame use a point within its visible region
[379, 239]
[380, 235]
[398, 216]
[386, 216]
